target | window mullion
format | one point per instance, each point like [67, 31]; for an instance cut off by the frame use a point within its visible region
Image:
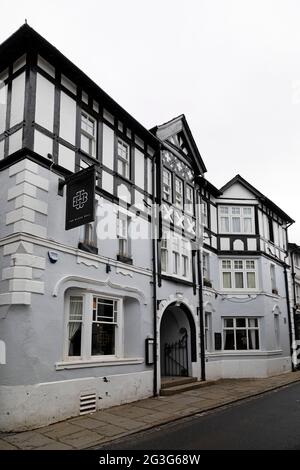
[87, 326]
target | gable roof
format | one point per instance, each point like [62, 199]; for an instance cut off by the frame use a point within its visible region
[264, 199]
[26, 39]
[174, 126]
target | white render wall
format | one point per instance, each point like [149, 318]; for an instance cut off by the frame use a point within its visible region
[25, 407]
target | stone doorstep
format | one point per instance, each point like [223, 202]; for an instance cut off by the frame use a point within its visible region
[185, 387]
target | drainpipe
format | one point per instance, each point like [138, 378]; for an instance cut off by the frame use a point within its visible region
[154, 275]
[291, 335]
[290, 319]
[294, 349]
[200, 293]
[200, 297]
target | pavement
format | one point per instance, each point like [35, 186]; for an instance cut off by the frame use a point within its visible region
[104, 426]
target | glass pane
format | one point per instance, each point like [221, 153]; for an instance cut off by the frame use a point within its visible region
[239, 280]
[251, 284]
[236, 224]
[247, 211]
[224, 224]
[229, 339]
[241, 322]
[250, 264]
[85, 143]
[105, 310]
[253, 339]
[241, 339]
[76, 303]
[103, 339]
[227, 280]
[228, 322]
[253, 322]
[74, 339]
[238, 264]
[248, 225]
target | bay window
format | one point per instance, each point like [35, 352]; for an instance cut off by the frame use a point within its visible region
[241, 333]
[239, 274]
[175, 256]
[236, 219]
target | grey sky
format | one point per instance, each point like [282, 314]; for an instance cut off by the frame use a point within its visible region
[232, 67]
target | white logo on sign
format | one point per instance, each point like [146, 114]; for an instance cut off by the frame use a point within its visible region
[80, 199]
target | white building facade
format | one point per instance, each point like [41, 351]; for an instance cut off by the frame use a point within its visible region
[173, 278]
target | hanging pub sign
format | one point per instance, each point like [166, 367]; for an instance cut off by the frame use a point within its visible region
[80, 200]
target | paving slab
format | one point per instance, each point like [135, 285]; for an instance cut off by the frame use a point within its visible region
[105, 425]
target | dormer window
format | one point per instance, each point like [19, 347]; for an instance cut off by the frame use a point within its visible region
[88, 134]
[178, 193]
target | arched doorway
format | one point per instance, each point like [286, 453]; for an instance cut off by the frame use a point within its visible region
[177, 341]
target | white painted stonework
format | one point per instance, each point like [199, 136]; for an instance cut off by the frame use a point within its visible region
[250, 367]
[28, 205]
[30, 406]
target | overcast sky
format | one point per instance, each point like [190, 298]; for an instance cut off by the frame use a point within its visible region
[232, 67]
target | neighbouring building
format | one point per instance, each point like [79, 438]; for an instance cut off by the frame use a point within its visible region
[173, 278]
[294, 252]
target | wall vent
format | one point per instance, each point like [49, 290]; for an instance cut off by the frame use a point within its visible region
[87, 403]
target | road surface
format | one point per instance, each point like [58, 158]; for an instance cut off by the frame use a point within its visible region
[271, 421]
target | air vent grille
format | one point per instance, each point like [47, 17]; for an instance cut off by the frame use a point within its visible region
[87, 403]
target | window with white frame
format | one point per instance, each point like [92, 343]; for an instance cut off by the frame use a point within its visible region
[239, 274]
[273, 279]
[164, 255]
[75, 325]
[277, 330]
[204, 207]
[208, 331]
[185, 258]
[87, 234]
[122, 234]
[297, 260]
[105, 319]
[241, 333]
[176, 256]
[92, 326]
[167, 185]
[88, 134]
[297, 286]
[178, 192]
[205, 266]
[235, 219]
[123, 158]
[189, 199]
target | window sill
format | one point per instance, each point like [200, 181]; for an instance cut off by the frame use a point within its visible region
[124, 259]
[253, 352]
[88, 248]
[80, 364]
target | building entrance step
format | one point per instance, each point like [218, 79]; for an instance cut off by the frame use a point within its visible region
[182, 384]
